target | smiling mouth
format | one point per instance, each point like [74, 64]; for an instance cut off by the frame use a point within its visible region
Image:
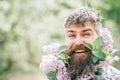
[80, 51]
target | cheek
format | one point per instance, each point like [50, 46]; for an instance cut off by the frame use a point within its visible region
[69, 42]
[90, 40]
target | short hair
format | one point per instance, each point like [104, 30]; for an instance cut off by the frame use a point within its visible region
[82, 15]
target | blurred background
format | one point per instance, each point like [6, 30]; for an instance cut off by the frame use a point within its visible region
[27, 25]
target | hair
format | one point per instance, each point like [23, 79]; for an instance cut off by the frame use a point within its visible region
[82, 15]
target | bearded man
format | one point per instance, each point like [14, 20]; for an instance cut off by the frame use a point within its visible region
[83, 26]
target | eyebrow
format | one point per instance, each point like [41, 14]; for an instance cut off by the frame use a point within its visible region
[86, 30]
[82, 30]
[70, 31]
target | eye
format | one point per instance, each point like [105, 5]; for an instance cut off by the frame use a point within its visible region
[86, 34]
[71, 36]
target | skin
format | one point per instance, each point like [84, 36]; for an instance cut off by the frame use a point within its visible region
[78, 35]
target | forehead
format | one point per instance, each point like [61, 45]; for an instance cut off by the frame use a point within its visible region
[78, 27]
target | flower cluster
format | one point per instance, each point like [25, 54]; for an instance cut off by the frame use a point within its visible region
[51, 63]
[51, 49]
[46, 63]
[87, 76]
[107, 39]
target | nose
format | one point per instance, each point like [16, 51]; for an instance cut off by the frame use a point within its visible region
[79, 41]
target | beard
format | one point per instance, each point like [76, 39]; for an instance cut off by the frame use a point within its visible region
[79, 65]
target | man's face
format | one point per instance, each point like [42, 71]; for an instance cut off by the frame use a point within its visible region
[77, 36]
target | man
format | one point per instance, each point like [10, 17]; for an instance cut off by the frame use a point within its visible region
[83, 26]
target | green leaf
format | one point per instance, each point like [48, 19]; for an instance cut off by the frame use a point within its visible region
[51, 75]
[66, 56]
[62, 56]
[99, 54]
[94, 59]
[112, 51]
[62, 48]
[89, 46]
[99, 71]
[117, 59]
[98, 42]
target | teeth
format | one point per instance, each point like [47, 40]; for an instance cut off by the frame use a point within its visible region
[77, 51]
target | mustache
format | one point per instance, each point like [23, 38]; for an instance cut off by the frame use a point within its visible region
[80, 47]
[72, 49]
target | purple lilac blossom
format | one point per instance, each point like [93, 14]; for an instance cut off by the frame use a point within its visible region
[107, 39]
[51, 49]
[51, 63]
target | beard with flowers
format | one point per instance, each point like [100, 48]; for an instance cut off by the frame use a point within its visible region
[79, 64]
[75, 68]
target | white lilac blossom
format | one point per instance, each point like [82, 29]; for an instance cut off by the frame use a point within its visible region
[107, 39]
[51, 49]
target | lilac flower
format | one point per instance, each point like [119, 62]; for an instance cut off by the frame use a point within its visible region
[51, 49]
[51, 63]
[62, 74]
[86, 76]
[104, 64]
[107, 39]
